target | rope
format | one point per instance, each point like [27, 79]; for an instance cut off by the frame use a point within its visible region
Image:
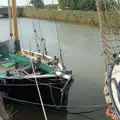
[86, 112]
[98, 107]
[23, 85]
[54, 106]
[39, 93]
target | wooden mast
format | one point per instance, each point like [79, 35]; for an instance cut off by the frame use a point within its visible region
[15, 25]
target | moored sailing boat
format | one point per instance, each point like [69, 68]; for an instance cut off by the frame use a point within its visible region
[18, 77]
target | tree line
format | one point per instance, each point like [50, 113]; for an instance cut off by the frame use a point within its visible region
[84, 5]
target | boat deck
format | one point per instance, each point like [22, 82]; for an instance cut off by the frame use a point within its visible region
[9, 65]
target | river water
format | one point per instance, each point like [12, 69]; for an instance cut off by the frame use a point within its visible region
[81, 54]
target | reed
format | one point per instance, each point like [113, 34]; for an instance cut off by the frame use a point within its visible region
[80, 17]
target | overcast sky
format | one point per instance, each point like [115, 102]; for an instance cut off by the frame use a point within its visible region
[24, 2]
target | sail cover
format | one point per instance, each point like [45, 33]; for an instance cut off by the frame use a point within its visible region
[7, 46]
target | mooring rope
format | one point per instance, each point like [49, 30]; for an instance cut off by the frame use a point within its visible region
[54, 106]
[23, 85]
[39, 93]
[51, 93]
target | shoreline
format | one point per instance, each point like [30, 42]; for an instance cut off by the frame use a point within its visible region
[77, 17]
[68, 16]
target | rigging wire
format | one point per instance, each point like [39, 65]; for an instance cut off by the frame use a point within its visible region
[41, 38]
[10, 20]
[20, 29]
[10, 26]
[58, 37]
[34, 28]
[35, 32]
[40, 29]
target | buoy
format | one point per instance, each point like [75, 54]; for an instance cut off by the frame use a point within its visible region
[110, 113]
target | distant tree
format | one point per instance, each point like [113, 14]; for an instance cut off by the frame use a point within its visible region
[85, 4]
[37, 3]
[51, 6]
[61, 4]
